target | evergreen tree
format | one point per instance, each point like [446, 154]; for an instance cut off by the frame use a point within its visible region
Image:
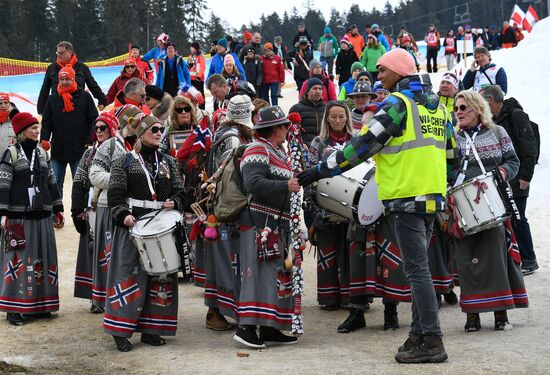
[119, 17]
[174, 24]
[336, 23]
[195, 10]
[215, 29]
[89, 36]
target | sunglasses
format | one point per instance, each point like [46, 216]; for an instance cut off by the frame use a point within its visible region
[182, 109]
[461, 107]
[130, 66]
[101, 128]
[155, 129]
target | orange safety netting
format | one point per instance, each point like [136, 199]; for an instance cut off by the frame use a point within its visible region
[11, 67]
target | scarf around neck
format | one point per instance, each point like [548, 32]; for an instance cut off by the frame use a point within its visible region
[66, 95]
[71, 62]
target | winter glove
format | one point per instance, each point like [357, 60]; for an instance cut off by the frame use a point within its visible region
[79, 223]
[60, 220]
[313, 174]
[45, 145]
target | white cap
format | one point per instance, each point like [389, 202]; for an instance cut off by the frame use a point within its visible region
[240, 110]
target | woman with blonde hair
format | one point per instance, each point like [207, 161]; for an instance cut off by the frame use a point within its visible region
[488, 263]
[182, 116]
[371, 54]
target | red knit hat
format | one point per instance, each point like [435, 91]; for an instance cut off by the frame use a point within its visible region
[22, 121]
[5, 96]
[110, 119]
[399, 61]
[247, 36]
[67, 72]
[130, 61]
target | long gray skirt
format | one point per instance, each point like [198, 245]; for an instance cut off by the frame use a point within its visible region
[137, 302]
[83, 280]
[490, 279]
[222, 286]
[102, 255]
[333, 265]
[199, 271]
[259, 303]
[29, 283]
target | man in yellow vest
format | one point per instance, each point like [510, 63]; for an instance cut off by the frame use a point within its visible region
[408, 139]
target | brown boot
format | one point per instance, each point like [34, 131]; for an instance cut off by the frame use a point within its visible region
[216, 321]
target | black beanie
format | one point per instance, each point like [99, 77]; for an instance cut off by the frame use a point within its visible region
[314, 81]
[154, 92]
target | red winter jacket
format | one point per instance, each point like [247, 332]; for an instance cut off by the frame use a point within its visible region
[118, 85]
[329, 90]
[147, 74]
[272, 69]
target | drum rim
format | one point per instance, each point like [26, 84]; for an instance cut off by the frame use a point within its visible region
[470, 181]
[164, 232]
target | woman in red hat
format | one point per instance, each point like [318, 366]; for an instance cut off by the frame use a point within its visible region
[7, 110]
[83, 209]
[28, 197]
[130, 70]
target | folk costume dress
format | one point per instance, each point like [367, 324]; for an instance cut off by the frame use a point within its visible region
[266, 170]
[222, 264]
[135, 300]
[100, 174]
[29, 282]
[488, 262]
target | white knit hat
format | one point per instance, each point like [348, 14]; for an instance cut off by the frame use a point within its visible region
[240, 110]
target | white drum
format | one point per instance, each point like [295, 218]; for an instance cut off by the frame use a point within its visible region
[477, 204]
[156, 243]
[352, 195]
[91, 221]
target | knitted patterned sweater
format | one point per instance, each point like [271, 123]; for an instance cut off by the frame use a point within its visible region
[490, 150]
[128, 180]
[80, 194]
[266, 170]
[100, 170]
[15, 180]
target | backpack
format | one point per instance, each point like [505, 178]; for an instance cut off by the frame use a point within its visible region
[229, 197]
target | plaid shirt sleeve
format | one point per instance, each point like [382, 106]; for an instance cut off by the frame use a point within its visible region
[386, 123]
[452, 154]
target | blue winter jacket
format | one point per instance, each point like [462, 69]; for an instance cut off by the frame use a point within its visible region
[384, 41]
[154, 54]
[216, 66]
[184, 77]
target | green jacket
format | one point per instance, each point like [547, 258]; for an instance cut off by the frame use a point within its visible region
[370, 57]
[329, 47]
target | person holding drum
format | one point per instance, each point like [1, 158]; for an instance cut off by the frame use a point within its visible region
[141, 182]
[407, 136]
[221, 293]
[488, 261]
[100, 173]
[28, 198]
[83, 210]
[268, 178]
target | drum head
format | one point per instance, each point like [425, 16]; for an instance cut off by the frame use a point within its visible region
[369, 208]
[164, 221]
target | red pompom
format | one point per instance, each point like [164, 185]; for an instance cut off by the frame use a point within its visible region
[294, 117]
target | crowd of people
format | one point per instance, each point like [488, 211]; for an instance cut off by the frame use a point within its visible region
[149, 146]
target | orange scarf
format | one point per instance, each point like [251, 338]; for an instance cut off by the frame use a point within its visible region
[65, 93]
[71, 62]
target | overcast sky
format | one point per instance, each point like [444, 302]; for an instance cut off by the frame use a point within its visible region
[238, 12]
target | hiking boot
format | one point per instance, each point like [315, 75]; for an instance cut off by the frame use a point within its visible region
[451, 298]
[501, 320]
[430, 350]
[122, 344]
[154, 340]
[473, 323]
[15, 319]
[529, 270]
[216, 321]
[96, 309]
[390, 317]
[409, 344]
[272, 336]
[355, 321]
[248, 337]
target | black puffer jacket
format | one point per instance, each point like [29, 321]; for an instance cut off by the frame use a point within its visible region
[344, 61]
[83, 78]
[518, 126]
[70, 131]
[312, 117]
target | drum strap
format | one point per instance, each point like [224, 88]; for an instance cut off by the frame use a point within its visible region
[147, 173]
[470, 147]
[144, 204]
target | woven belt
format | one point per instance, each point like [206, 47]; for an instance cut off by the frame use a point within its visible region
[144, 204]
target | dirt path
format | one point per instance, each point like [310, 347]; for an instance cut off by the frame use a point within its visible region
[74, 342]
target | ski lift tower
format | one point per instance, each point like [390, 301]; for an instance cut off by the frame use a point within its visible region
[462, 14]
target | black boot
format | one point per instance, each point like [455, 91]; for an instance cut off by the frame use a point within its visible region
[451, 298]
[15, 318]
[390, 316]
[354, 321]
[413, 340]
[501, 320]
[122, 344]
[248, 336]
[473, 323]
[154, 340]
[272, 336]
[430, 350]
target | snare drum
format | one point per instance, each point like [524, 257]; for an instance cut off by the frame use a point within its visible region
[352, 195]
[156, 243]
[477, 204]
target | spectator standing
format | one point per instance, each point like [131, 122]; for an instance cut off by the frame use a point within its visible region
[450, 49]
[311, 108]
[433, 42]
[382, 39]
[356, 40]
[159, 52]
[328, 46]
[483, 72]
[282, 51]
[173, 73]
[371, 54]
[144, 67]
[197, 66]
[133, 93]
[130, 70]
[66, 56]
[7, 111]
[300, 59]
[216, 63]
[316, 71]
[253, 68]
[273, 74]
[255, 44]
[494, 38]
[302, 32]
[345, 59]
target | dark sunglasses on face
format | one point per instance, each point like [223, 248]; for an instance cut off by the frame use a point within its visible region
[101, 128]
[182, 109]
[155, 129]
[130, 66]
[461, 107]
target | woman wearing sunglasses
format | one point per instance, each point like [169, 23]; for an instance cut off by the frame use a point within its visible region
[130, 70]
[182, 117]
[151, 179]
[83, 202]
[488, 266]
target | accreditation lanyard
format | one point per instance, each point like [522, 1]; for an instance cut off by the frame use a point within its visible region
[31, 164]
[148, 175]
[470, 147]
